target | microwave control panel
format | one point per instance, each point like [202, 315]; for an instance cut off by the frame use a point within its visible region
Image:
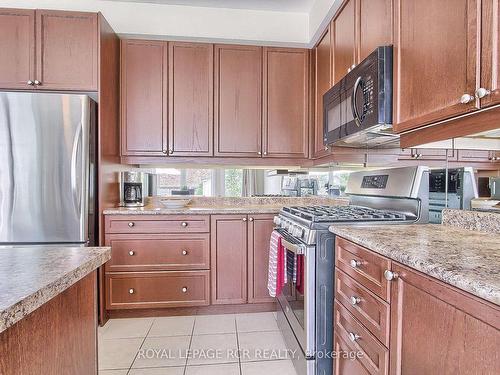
[368, 96]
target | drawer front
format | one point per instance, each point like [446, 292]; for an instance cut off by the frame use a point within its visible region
[157, 224]
[346, 363]
[369, 309]
[173, 252]
[364, 266]
[374, 356]
[131, 290]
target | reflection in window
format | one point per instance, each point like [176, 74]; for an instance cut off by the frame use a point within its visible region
[172, 181]
[233, 182]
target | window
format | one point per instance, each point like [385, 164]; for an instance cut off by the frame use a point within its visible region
[233, 182]
[171, 181]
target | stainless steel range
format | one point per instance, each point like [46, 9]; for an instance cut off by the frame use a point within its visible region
[305, 317]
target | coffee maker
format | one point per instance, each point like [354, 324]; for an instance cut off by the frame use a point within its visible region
[133, 189]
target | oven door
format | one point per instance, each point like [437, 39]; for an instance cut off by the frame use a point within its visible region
[297, 299]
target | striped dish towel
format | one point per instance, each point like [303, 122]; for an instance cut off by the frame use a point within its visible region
[276, 271]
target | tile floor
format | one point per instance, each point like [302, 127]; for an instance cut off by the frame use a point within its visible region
[234, 344]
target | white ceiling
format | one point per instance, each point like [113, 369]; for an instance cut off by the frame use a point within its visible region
[301, 6]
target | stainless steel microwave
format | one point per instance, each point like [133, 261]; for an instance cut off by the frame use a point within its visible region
[357, 110]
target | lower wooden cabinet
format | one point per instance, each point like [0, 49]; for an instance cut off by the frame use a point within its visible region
[346, 361]
[157, 289]
[437, 329]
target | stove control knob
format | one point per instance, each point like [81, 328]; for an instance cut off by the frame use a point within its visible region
[277, 220]
[297, 231]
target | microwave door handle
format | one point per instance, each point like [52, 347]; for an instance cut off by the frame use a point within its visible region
[355, 113]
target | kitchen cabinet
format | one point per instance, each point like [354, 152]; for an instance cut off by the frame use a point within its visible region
[436, 329]
[190, 99]
[286, 102]
[344, 40]
[49, 50]
[17, 36]
[260, 228]
[428, 154]
[238, 101]
[229, 259]
[143, 97]
[322, 83]
[490, 50]
[375, 25]
[435, 61]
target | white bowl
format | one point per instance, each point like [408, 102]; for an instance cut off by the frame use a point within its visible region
[175, 202]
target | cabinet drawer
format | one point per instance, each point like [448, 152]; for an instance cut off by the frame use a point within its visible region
[130, 290]
[370, 310]
[364, 266]
[157, 224]
[346, 363]
[375, 356]
[173, 252]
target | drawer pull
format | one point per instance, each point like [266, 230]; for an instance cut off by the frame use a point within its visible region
[131, 224]
[389, 275]
[184, 252]
[131, 253]
[354, 337]
[131, 291]
[355, 263]
[184, 224]
[355, 300]
[184, 289]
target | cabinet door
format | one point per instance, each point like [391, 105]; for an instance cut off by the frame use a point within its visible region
[323, 69]
[17, 43]
[66, 48]
[436, 329]
[286, 102]
[344, 40]
[490, 51]
[143, 96]
[238, 101]
[260, 228]
[229, 259]
[375, 25]
[434, 60]
[190, 102]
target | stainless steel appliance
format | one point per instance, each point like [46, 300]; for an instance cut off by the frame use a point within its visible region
[452, 188]
[133, 189]
[47, 173]
[357, 110]
[495, 187]
[384, 196]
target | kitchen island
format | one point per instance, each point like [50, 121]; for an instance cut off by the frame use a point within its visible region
[48, 309]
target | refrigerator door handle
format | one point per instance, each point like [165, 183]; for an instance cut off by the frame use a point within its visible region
[74, 160]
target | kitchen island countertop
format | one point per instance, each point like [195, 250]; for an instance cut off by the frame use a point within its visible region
[31, 276]
[466, 259]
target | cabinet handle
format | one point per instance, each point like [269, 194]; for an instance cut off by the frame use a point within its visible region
[355, 300]
[326, 148]
[164, 151]
[184, 252]
[467, 98]
[30, 82]
[37, 82]
[131, 253]
[389, 275]
[482, 92]
[353, 336]
[355, 263]
[251, 219]
[259, 153]
[184, 224]
[170, 151]
[244, 219]
[184, 289]
[131, 291]
[131, 224]
[265, 153]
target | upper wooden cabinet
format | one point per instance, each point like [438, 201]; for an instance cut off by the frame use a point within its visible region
[238, 101]
[66, 53]
[286, 102]
[17, 36]
[490, 52]
[435, 61]
[375, 25]
[344, 40]
[143, 97]
[322, 82]
[190, 99]
[437, 329]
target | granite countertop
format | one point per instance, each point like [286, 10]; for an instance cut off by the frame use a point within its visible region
[31, 276]
[466, 259]
[153, 210]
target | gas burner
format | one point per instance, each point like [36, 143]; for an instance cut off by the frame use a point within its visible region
[323, 214]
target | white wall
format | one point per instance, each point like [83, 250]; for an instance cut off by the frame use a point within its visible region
[197, 23]
[319, 16]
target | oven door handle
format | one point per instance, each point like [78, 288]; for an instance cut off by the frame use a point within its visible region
[355, 112]
[294, 248]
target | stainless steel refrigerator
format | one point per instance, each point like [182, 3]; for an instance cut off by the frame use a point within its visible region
[47, 168]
